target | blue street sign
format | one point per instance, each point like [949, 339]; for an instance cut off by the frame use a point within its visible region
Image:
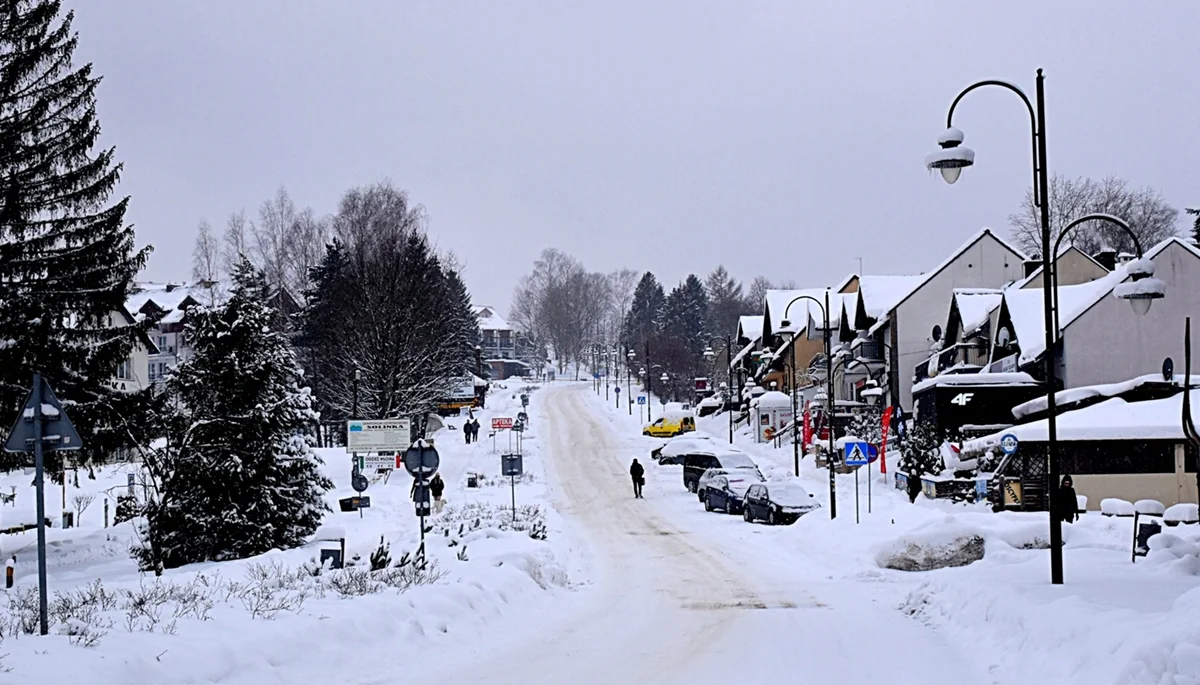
[1008, 444]
[641, 399]
[617, 390]
[596, 374]
[860, 453]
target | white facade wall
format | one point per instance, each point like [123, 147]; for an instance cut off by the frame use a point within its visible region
[986, 264]
[1111, 343]
[137, 366]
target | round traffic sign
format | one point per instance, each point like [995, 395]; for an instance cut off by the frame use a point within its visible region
[1008, 443]
[421, 460]
[359, 482]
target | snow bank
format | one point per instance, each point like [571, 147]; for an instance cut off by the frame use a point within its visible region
[1113, 506]
[1182, 513]
[1149, 507]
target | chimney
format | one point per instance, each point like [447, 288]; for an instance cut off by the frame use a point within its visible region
[171, 287]
[1032, 265]
[1107, 257]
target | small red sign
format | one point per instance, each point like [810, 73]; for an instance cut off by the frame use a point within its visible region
[501, 423]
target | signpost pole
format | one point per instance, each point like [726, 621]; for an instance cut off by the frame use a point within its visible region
[868, 488]
[856, 494]
[512, 481]
[39, 482]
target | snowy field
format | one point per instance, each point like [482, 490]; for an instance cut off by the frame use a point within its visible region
[623, 590]
[267, 620]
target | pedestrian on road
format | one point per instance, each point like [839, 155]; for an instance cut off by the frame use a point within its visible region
[467, 431]
[474, 430]
[1068, 503]
[436, 487]
[639, 478]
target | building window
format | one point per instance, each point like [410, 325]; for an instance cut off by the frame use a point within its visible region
[505, 338]
[123, 371]
[162, 342]
[153, 373]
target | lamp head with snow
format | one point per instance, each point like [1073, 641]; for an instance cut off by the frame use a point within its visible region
[785, 330]
[708, 352]
[664, 378]
[1142, 288]
[953, 157]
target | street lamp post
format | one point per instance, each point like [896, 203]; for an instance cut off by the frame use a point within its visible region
[708, 353]
[950, 161]
[629, 354]
[784, 326]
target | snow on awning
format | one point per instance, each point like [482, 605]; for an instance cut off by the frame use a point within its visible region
[1113, 419]
[1015, 378]
[1073, 395]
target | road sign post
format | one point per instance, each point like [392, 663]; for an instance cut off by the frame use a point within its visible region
[421, 461]
[42, 425]
[617, 399]
[860, 454]
[512, 465]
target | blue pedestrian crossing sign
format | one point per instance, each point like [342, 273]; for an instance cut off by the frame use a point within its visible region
[860, 453]
[641, 399]
[617, 390]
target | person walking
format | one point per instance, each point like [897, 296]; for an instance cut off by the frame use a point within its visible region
[638, 474]
[1066, 500]
[474, 430]
[914, 484]
[436, 487]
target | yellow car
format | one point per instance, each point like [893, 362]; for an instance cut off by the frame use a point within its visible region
[670, 426]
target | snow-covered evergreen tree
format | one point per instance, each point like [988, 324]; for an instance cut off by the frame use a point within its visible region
[239, 476]
[867, 426]
[67, 258]
[923, 449]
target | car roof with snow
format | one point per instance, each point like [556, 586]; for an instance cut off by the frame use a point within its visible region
[677, 447]
[788, 493]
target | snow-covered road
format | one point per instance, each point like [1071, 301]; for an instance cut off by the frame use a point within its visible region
[679, 596]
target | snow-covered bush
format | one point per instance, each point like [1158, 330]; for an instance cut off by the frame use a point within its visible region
[127, 508]
[472, 516]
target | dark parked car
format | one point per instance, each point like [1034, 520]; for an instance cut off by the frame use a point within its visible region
[696, 463]
[672, 451]
[777, 503]
[727, 491]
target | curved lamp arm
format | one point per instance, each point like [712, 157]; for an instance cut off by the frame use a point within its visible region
[1037, 200]
[1099, 216]
[824, 314]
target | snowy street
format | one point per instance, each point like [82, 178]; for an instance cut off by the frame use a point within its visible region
[681, 596]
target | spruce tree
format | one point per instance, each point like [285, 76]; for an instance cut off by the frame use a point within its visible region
[239, 476]
[1195, 226]
[67, 258]
[642, 319]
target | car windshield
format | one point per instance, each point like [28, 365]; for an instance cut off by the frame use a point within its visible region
[749, 474]
[789, 495]
[736, 460]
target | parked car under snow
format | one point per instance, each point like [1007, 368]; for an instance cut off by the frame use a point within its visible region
[777, 503]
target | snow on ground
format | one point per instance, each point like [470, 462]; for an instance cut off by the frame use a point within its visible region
[1112, 622]
[506, 575]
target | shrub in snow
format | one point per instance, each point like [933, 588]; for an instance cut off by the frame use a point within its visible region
[238, 476]
[922, 450]
[1113, 506]
[472, 516]
[127, 508]
[380, 558]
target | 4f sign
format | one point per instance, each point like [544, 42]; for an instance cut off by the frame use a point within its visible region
[962, 398]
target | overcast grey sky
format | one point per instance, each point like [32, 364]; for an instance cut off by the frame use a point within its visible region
[778, 138]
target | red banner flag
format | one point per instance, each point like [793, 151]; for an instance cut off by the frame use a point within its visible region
[887, 421]
[807, 431]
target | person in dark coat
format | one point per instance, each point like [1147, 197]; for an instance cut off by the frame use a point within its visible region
[436, 487]
[474, 430]
[1067, 503]
[466, 429]
[914, 484]
[638, 474]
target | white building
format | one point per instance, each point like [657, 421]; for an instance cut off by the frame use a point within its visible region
[167, 303]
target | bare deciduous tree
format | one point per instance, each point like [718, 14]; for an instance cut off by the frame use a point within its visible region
[206, 254]
[81, 502]
[1147, 213]
[270, 254]
[305, 246]
[236, 241]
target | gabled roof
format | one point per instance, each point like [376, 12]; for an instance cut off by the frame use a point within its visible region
[975, 306]
[1026, 311]
[172, 299]
[750, 327]
[777, 302]
[489, 320]
[1062, 252]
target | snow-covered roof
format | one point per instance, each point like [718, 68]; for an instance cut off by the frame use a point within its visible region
[1014, 378]
[882, 294]
[1025, 306]
[772, 398]
[750, 327]
[1062, 251]
[489, 320]
[777, 302]
[1113, 419]
[170, 297]
[1071, 395]
[975, 306]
